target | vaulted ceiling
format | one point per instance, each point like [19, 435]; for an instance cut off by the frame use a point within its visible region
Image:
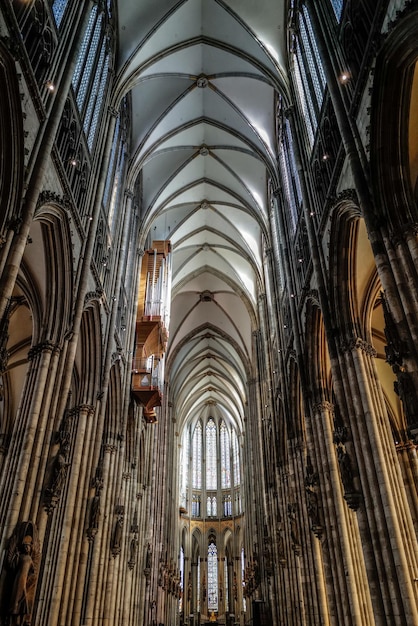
[204, 76]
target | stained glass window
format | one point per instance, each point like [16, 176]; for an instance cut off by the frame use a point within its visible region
[94, 90]
[91, 72]
[302, 96]
[87, 56]
[226, 585]
[227, 503]
[291, 183]
[210, 461]
[309, 74]
[181, 568]
[211, 456]
[312, 56]
[235, 457]
[195, 505]
[112, 162]
[197, 457]
[225, 458]
[198, 585]
[58, 10]
[244, 606]
[212, 577]
[185, 469]
[211, 508]
[337, 5]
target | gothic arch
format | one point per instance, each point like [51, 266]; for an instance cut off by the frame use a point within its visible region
[391, 123]
[344, 285]
[88, 357]
[113, 404]
[11, 142]
[317, 354]
[51, 226]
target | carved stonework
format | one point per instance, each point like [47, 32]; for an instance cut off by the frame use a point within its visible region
[409, 7]
[292, 514]
[22, 561]
[323, 406]
[351, 494]
[396, 349]
[116, 545]
[406, 390]
[133, 548]
[40, 348]
[60, 465]
[312, 500]
[95, 509]
[359, 344]
[49, 197]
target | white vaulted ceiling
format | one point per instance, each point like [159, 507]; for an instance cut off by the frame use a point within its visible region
[204, 76]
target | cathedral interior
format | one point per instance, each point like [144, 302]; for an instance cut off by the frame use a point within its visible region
[208, 312]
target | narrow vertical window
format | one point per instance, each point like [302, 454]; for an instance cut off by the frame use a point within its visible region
[312, 56]
[211, 473]
[244, 606]
[290, 176]
[181, 568]
[225, 457]
[226, 584]
[337, 5]
[58, 10]
[235, 456]
[90, 76]
[185, 469]
[197, 456]
[212, 577]
[309, 74]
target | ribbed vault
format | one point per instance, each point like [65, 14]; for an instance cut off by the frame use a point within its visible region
[204, 76]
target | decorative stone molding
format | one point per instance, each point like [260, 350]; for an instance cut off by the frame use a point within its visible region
[323, 406]
[116, 545]
[133, 549]
[93, 295]
[410, 7]
[351, 495]
[94, 518]
[202, 81]
[49, 197]
[14, 46]
[40, 348]
[292, 514]
[23, 556]
[359, 344]
[60, 464]
[112, 111]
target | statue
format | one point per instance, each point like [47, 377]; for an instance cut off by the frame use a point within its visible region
[344, 462]
[23, 557]
[59, 472]
[116, 546]
[148, 557]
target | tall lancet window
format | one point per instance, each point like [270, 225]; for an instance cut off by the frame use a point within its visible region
[235, 459]
[91, 72]
[58, 10]
[212, 577]
[210, 477]
[337, 5]
[197, 456]
[225, 457]
[308, 73]
[185, 470]
[211, 466]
